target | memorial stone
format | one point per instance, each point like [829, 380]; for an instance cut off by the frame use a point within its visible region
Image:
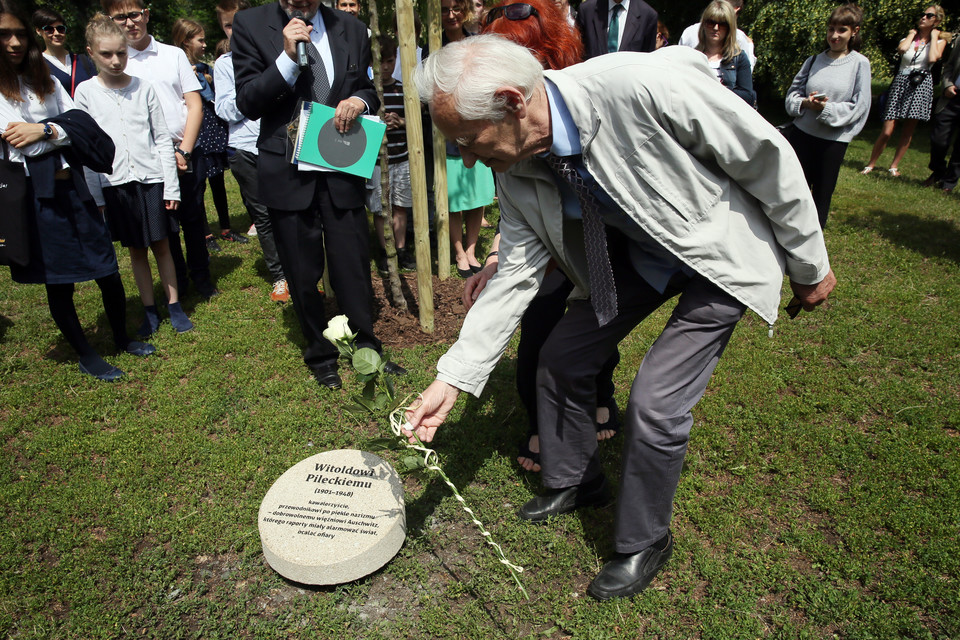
[333, 518]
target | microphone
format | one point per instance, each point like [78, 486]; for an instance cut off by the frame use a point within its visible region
[302, 60]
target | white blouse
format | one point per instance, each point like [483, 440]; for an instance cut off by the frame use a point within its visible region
[915, 59]
[31, 109]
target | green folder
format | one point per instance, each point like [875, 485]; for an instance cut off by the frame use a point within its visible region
[354, 152]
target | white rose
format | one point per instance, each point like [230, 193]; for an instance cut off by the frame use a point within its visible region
[338, 330]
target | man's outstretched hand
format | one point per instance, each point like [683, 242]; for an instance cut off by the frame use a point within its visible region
[435, 404]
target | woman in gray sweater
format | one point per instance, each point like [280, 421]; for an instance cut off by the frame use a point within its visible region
[830, 102]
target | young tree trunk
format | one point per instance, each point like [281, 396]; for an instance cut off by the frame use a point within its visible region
[406, 34]
[393, 273]
[439, 159]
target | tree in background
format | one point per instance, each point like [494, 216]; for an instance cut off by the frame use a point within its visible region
[786, 32]
[163, 13]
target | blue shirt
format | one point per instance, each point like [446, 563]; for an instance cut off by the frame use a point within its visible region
[651, 261]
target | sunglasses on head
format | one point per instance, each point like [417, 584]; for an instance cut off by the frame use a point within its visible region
[517, 11]
[929, 16]
[49, 29]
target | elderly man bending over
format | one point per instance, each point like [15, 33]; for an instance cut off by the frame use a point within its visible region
[644, 179]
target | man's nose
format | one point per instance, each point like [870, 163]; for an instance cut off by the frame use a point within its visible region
[469, 159]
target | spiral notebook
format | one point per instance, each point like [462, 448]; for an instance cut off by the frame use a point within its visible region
[320, 147]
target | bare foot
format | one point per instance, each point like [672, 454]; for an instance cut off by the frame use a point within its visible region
[603, 417]
[527, 463]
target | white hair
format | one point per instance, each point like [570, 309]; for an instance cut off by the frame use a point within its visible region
[473, 69]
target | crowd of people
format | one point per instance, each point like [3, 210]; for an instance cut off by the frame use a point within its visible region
[623, 181]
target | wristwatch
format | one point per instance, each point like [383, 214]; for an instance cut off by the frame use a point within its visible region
[47, 131]
[186, 154]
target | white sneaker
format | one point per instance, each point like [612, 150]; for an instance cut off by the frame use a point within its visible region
[252, 231]
[280, 291]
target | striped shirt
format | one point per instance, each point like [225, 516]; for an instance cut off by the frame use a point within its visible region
[396, 138]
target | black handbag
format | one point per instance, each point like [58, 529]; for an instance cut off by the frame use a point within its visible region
[14, 211]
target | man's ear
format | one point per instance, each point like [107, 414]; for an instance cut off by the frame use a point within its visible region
[513, 100]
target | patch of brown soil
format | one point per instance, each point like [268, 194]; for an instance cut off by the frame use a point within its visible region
[398, 329]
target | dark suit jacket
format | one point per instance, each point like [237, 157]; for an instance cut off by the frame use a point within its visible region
[263, 94]
[950, 72]
[639, 33]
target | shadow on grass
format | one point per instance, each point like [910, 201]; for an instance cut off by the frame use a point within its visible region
[290, 322]
[222, 265]
[928, 237]
[5, 323]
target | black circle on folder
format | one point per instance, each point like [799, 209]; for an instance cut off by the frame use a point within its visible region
[341, 150]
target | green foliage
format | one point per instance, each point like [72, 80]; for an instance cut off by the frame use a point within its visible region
[163, 13]
[786, 32]
[818, 497]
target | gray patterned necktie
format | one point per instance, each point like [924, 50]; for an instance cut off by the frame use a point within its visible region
[603, 290]
[315, 81]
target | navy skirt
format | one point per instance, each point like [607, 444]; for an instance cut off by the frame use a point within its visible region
[136, 214]
[69, 241]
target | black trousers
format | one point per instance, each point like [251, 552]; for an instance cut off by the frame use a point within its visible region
[537, 322]
[302, 238]
[946, 124]
[821, 160]
[192, 219]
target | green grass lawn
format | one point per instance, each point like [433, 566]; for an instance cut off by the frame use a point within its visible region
[820, 498]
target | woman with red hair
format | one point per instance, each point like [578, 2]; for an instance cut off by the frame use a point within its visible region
[541, 26]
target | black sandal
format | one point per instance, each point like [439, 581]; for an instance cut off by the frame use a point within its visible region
[613, 423]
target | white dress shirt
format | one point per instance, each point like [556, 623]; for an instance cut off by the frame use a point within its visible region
[171, 75]
[243, 131]
[623, 18]
[30, 109]
[289, 69]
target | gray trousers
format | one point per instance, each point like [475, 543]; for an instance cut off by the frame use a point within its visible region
[671, 380]
[243, 165]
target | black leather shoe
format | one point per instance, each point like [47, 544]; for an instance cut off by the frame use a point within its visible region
[327, 376]
[630, 574]
[394, 369]
[566, 500]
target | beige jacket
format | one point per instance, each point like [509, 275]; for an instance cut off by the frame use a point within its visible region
[690, 162]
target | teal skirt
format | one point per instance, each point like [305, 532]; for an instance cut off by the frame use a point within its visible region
[468, 188]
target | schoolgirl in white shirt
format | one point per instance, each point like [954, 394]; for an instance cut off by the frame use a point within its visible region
[143, 188]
